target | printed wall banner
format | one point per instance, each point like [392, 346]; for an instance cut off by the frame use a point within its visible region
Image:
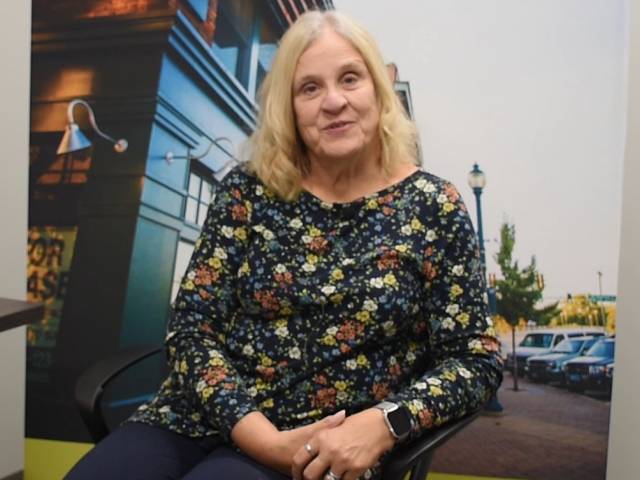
[50, 252]
[110, 233]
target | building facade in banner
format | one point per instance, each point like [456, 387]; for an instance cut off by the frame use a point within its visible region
[110, 233]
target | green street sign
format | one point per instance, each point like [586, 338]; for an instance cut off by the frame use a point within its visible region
[602, 298]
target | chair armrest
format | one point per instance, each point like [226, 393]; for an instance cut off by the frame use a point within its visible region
[405, 457]
[92, 382]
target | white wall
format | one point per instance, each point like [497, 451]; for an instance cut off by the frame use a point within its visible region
[14, 124]
[624, 436]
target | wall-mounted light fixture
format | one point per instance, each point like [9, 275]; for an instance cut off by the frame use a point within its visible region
[74, 140]
[170, 157]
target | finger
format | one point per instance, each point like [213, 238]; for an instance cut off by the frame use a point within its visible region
[352, 474]
[316, 468]
[332, 474]
[301, 459]
[335, 419]
[327, 422]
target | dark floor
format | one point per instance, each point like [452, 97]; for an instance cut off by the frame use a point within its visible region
[14, 476]
[544, 433]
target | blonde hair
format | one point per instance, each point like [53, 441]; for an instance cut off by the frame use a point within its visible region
[276, 149]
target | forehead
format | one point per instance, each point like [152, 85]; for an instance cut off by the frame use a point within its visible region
[329, 50]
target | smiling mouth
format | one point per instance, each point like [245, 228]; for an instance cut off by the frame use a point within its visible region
[337, 126]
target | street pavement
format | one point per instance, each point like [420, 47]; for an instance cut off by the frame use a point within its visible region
[544, 433]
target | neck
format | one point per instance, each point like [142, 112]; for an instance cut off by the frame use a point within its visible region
[343, 180]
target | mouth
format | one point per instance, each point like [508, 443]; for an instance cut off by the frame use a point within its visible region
[336, 126]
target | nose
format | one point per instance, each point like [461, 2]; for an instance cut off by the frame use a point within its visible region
[334, 101]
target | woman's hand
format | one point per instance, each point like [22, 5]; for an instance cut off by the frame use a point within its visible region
[348, 450]
[291, 441]
[258, 437]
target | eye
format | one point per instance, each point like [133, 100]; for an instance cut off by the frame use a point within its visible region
[350, 78]
[309, 88]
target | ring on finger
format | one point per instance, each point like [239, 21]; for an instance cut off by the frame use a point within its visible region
[331, 476]
[309, 449]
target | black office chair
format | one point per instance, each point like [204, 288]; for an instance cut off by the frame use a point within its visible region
[414, 457]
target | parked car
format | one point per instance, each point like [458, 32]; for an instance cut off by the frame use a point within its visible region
[594, 370]
[540, 342]
[549, 367]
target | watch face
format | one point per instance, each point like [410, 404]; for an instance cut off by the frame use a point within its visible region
[399, 420]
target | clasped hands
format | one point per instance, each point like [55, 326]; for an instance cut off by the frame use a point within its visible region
[336, 447]
[342, 448]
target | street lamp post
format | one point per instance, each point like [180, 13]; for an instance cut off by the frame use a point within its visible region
[477, 181]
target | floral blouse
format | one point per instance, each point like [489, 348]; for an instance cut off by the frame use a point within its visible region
[300, 309]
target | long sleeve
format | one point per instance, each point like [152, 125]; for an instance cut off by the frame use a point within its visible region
[204, 310]
[466, 366]
[300, 309]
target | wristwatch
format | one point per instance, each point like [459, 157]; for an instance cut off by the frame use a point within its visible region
[397, 418]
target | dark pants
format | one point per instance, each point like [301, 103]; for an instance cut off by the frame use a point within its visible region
[141, 452]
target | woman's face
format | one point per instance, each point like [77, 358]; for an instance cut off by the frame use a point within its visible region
[334, 101]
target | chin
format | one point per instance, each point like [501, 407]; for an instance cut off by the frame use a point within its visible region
[343, 152]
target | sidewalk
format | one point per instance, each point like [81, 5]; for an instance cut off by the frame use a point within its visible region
[545, 433]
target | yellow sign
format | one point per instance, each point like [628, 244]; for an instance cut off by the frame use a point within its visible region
[50, 251]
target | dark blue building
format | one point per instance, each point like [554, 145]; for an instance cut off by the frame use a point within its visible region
[110, 234]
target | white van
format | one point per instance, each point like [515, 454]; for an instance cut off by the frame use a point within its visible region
[541, 341]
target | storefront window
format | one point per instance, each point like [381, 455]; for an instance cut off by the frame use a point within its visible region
[70, 168]
[269, 36]
[245, 40]
[232, 38]
[200, 193]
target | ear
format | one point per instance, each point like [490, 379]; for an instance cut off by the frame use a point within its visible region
[392, 71]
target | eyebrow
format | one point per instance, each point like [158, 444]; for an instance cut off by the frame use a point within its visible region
[350, 65]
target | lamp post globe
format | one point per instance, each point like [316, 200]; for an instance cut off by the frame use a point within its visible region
[477, 178]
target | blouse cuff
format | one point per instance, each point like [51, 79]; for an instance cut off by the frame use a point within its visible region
[229, 408]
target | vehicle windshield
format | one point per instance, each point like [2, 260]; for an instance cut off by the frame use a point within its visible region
[568, 346]
[538, 340]
[589, 343]
[602, 349]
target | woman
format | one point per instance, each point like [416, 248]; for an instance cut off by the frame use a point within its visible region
[334, 304]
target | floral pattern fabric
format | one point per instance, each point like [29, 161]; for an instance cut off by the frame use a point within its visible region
[300, 309]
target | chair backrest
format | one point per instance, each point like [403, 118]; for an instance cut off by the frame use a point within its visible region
[413, 458]
[93, 383]
[416, 456]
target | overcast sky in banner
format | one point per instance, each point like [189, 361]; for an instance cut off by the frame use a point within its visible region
[535, 92]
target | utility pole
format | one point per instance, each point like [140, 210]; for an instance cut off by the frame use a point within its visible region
[603, 320]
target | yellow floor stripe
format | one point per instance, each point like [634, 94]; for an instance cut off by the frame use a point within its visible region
[51, 459]
[448, 476]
